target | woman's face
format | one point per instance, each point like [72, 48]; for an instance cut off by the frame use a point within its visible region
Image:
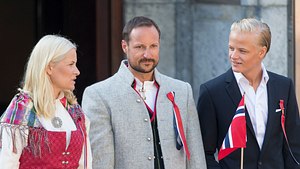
[63, 74]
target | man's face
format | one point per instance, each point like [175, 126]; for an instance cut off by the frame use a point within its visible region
[245, 53]
[142, 50]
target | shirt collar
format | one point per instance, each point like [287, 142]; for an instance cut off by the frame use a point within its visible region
[61, 99]
[240, 77]
[147, 84]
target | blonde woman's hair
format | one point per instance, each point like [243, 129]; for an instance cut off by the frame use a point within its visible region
[49, 49]
[254, 25]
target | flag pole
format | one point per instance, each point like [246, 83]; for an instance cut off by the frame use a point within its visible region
[242, 158]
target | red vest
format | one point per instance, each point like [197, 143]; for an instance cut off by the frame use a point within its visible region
[52, 153]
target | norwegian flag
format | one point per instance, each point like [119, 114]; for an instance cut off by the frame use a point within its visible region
[236, 136]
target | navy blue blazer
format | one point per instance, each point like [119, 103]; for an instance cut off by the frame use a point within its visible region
[217, 104]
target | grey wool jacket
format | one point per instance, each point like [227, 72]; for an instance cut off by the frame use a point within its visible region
[121, 134]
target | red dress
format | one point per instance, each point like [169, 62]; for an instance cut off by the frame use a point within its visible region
[47, 149]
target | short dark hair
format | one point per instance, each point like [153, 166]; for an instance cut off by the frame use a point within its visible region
[135, 22]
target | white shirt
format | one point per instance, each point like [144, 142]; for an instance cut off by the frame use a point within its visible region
[10, 160]
[256, 103]
[68, 124]
[147, 91]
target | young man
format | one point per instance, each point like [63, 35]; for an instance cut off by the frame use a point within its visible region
[140, 118]
[266, 147]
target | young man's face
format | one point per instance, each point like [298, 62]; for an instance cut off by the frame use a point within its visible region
[142, 50]
[245, 53]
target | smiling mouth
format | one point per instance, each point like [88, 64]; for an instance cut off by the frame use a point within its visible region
[236, 63]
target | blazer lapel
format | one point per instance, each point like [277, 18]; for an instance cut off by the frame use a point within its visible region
[273, 103]
[232, 88]
[233, 91]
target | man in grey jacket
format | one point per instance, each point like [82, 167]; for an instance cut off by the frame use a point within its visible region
[140, 118]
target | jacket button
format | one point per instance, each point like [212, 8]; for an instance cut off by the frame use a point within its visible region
[259, 163]
[149, 139]
[149, 158]
[138, 100]
[145, 120]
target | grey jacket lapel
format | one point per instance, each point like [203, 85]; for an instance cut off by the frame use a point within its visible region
[163, 103]
[124, 73]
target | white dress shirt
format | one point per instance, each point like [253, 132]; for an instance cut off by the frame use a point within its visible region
[147, 91]
[256, 103]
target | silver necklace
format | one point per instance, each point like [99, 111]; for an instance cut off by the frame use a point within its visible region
[56, 122]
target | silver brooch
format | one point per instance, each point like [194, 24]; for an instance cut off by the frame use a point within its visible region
[56, 122]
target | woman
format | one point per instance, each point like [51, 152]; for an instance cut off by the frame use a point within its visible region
[44, 126]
